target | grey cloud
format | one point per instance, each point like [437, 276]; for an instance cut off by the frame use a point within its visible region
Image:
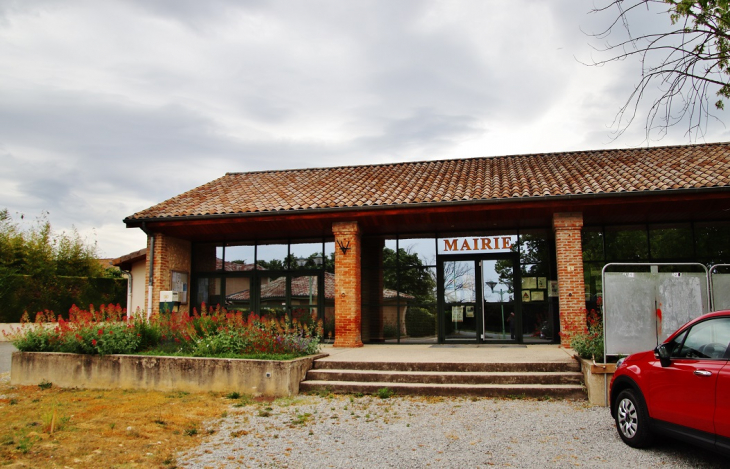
[425, 129]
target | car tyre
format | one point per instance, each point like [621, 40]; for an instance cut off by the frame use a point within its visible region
[632, 419]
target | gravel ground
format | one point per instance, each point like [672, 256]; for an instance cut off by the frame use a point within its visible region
[404, 432]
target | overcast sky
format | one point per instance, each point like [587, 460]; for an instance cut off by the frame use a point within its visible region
[109, 107]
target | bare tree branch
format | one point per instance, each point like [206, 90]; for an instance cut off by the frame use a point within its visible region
[686, 63]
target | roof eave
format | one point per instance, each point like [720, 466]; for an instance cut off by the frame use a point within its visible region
[137, 222]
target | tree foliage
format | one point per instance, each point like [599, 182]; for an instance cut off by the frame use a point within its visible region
[41, 270]
[404, 272]
[687, 61]
[40, 252]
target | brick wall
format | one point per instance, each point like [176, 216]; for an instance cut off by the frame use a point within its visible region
[170, 254]
[347, 285]
[569, 255]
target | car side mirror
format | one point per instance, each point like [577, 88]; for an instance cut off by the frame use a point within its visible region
[663, 353]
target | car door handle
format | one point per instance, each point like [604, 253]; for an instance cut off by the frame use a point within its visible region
[703, 373]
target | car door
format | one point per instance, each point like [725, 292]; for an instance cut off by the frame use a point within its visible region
[722, 410]
[684, 393]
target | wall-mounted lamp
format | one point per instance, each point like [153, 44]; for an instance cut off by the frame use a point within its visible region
[344, 247]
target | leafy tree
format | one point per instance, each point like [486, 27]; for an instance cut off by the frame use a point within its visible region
[42, 270]
[687, 61]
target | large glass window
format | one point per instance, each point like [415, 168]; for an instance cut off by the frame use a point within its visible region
[712, 242]
[627, 244]
[207, 257]
[239, 258]
[263, 278]
[273, 256]
[671, 242]
[539, 306]
[702, 242]
[401, 309]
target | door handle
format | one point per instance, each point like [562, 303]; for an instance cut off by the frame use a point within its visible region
[703, 373]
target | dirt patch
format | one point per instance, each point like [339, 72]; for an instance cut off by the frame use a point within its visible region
[47, 427]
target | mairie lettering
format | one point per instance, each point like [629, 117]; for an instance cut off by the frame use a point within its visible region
[477, 244]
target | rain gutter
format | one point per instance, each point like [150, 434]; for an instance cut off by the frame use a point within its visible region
[151, 259]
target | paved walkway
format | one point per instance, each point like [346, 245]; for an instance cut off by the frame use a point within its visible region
[428, 353]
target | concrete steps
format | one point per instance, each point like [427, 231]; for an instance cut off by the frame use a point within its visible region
[554, 380]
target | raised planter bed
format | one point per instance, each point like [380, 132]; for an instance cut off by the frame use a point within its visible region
[191, 374]
[596, 377]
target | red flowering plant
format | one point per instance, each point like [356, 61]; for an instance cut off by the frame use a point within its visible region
[220, 332]
[91, 331]
[210, 333]
[590, 343]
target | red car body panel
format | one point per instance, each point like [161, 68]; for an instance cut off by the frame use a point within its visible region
[722, 409]
[694, 407]
[693, 393]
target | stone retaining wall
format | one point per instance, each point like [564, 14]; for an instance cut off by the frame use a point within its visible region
[191, 374]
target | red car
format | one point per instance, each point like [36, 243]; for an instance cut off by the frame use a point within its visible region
[680, 389]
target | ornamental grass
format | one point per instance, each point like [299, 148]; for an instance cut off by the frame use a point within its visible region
[212, 332]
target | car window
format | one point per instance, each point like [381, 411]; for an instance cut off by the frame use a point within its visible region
[675, 346]
[708, 339]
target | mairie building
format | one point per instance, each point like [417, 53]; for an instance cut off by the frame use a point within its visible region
[481, 250]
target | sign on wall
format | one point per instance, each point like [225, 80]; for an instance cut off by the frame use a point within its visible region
[180, 284]
[477, 244]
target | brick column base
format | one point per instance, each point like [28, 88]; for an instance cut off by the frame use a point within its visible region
[348, 251]
[569, 253]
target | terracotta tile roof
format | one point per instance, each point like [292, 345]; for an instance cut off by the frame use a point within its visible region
[276, 289]
[478, 179]
[125, 262]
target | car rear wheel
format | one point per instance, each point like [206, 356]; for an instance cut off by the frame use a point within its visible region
[632, 419]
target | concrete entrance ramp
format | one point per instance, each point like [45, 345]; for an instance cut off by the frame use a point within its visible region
[449, 370]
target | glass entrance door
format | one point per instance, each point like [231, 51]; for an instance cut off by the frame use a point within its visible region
[461, 299]
[479, 299]
[500, 319]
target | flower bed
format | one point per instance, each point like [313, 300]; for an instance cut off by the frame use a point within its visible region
[212, 333]
[92, 350]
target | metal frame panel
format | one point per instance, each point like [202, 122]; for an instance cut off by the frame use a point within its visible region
[720, 287]
[640, 309]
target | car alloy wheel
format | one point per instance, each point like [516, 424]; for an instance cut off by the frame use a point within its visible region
[632, 419]
[627, 418]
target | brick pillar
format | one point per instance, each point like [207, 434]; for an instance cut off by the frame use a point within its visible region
[170, 254]
[569, 253]
[347, 285]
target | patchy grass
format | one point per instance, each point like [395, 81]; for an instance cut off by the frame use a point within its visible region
[50, 427]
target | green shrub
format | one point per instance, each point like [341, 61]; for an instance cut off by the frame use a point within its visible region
[390, 331]
[215, 333]
[590, 344]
